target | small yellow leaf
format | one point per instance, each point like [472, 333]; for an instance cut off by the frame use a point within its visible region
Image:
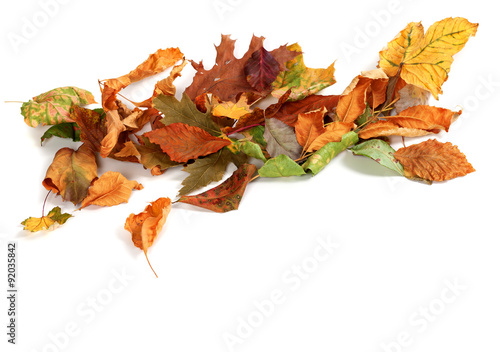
[232, 110]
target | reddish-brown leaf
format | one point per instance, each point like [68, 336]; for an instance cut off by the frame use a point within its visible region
[226, 79]
[183, 142]
[434, 161]
[289, 111]
[261, 70]
[227, 195]
[309, 126]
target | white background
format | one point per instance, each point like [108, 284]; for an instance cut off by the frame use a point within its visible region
[400, 243]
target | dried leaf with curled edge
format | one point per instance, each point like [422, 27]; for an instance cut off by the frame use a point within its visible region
[369, 85]
[309, 126]
[46, 222]
[425, 117]
[146, 225]
[425, 61]
[155, 63]
[112, 188]
[434, 161]
[227, 195]
[388, 128]
[114, 127]
[183, 142]
[71, 173]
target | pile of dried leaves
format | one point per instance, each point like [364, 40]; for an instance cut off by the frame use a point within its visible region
[217, 123]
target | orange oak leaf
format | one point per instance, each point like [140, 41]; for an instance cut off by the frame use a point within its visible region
[146, 225]
[183, 142]
[71, 173]
[425, 60]
[112, 188]
[434, 161]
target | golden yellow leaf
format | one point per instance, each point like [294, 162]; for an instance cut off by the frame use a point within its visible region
[232, 110]
[46, 222]
[112, 188]
[425, 61]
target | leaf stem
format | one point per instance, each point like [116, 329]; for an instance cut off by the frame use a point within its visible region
[45, 201]
[146, 254]
[13, 101]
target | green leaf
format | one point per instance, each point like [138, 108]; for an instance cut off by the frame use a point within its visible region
[184, 111]
[317, 161]
[53, 107]
[227, 195]
[257, 135]
[251, 149]
[281, 139]
[281, 166]
[63, 130]
[152, 155]
[303, 81]
[205, 170]
[381, 152]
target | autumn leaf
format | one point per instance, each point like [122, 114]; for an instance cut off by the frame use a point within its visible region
[425, 61]
[53, 107]
[333, 132]
[309, 126]
[92, 125]
[379, 151]
[227, 195]
[411, 95]
[302, 80]
[183, 142]
[281, 166]
[154, 64]
[227, 78]
[352, 102]
[289, 111]
[184, 111]
[146, 225]
[281, 139]
[63, 130]
[112, 188]
[152, 156]
[388, 128]
[45, 222]
[261, 70]
[231, 109]
[425, 118]
[71, 173]
[318, 160]
[434, 161]
[114, 126]
[204, 171]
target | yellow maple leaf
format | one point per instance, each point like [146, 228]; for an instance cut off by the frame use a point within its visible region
[425, 60]
[232, 110]
[45, 222]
